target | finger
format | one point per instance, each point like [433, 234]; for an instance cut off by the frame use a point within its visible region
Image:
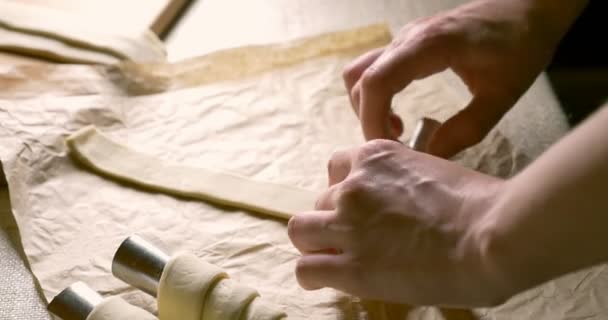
[355, 97]
[339, 166]
[327, 200]
[396, 125]
[312, 231]
[353, 71]
[390, 73]
[318, 271]
[469, 126]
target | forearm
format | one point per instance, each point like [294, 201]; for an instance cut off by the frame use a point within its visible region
[553, 217]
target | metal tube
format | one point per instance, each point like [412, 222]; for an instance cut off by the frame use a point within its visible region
[423, 133]
[75, 302]
[140, 264]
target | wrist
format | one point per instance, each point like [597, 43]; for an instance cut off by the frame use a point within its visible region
[490, 284]
[517, 243]
[501, 255]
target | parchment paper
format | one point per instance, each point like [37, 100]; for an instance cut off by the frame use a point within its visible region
[278, 124]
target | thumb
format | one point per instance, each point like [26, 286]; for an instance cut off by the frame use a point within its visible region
[467, 128]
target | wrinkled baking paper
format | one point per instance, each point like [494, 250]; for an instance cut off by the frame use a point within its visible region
[70, 39]
[278, 124]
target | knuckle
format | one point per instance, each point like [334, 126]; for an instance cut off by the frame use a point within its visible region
[372, 79]
[382, 144]
[318, 204]
[326, 200]
[376, 146]
[353, 190]
[413, 25]
[433, 36]
[338, 158]
[430, 31]
[321, 204]
[438, 31]
[368, 149]
[335, 159]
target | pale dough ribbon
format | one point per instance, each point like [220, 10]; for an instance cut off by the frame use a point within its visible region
[63, 37]
[107, 157]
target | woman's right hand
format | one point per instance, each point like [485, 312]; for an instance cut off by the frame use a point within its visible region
[497, 47]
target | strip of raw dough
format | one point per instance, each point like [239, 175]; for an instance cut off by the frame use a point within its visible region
[143, 47]
[116, 308]
[236, 63]
[112, 159]
[184, 286]
[50, 49]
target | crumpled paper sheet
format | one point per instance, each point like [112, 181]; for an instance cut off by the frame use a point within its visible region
[279, 124]
[52, 80]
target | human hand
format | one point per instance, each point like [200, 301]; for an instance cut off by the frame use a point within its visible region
[498, 48]
[408, 228]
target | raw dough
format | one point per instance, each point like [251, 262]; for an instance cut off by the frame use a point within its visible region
[237, 63]
[100, 153]
[127, 78]
[116, 308]
[191, 289]
[50, 49]
[184, 286]
[228, 300]
[68, 34]
[259, 309]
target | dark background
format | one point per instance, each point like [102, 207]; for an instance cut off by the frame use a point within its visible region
[579, 71]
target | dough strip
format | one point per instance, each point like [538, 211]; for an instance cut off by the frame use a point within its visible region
[109, 158]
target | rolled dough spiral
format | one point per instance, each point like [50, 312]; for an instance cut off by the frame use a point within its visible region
[191, 289]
